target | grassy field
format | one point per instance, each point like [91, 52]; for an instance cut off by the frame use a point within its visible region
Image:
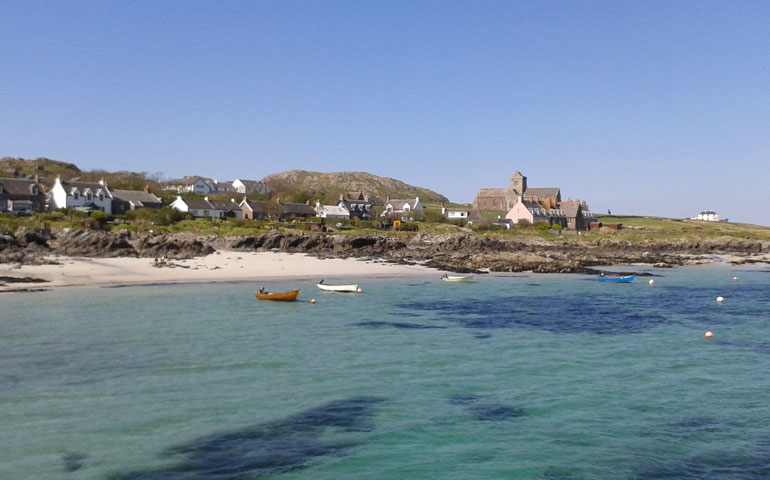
[635, 229]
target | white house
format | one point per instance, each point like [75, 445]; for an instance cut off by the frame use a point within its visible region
[331, 211]
[402, 207]
[708, 216]
[535, 213]
[451, 214]
[199, 208]
[81, 195]
[199, 186]
[250, 186]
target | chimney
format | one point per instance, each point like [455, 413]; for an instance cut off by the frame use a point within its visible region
[206, 198]
[232, 200]
[307, 202]
[101, 182]
[37, 178]
[318, 203]
[146, 188]
[342, 196]
[443, 209]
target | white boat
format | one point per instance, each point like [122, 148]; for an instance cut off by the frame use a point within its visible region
[337, 288]
[457, 278]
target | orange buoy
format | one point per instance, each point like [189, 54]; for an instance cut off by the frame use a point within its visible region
[735, 279]
[360, 291]
[709, 335]
[312, 300]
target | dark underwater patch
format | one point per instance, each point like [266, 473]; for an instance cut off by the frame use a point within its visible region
[268, 449]
[73, 461]
[401, 325]
[485, 410]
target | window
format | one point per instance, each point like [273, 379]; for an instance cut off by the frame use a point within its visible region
[101, 197]
[75, 195]
[1, 189]
[205, 213]
[88, 197]
[34, 190]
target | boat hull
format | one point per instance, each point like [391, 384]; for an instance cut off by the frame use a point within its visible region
[457, 279]
[627, 279]
[288, 296]
[338, 288]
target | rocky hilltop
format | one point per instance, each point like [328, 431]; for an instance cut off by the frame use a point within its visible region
[456, 252]
[329, 184]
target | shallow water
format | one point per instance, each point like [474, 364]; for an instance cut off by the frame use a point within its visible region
[536, 376]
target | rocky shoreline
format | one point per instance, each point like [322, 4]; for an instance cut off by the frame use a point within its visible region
[466, 253]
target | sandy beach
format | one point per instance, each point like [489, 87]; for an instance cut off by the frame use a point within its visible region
[221, 266]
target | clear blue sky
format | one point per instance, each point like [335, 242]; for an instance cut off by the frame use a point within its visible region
[649, 107]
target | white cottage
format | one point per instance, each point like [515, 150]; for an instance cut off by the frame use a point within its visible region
[402, 207]
[81, 195]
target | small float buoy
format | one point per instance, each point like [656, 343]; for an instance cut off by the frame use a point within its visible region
[735, 279]
[720, 299]
[360, 291]
[709, 335]
[312, 300]
[651, 282]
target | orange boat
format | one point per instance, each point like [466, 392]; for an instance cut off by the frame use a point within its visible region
[288, 296]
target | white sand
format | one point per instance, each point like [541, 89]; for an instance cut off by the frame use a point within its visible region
[218, 267]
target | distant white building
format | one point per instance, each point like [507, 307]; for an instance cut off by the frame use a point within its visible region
[707, 216]
[453, 214]
[331, 211]
[404, 207]
[250, 186]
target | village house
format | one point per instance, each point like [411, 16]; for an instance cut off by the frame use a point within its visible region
[87, 196]
[21, 196]
[707, 216]
[403, 207]
[358, 204]
[296, 210]
[253, 210]
[578, 216]
[206, 208]
[199, 186]
[454, 214]
[250, 187]
[125, 200]
[533, 212]
[331, 211]
[503, 199]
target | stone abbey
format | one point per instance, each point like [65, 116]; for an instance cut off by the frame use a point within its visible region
[504, 199]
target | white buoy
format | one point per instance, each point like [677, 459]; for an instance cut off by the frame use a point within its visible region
[720, 299]
[651, 282]
[735, 279]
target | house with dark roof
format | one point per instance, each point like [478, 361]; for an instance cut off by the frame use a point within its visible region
[359, 204]
[296, 210]
[228, 209]
[21, 196]
[254, 210]
[87, 196]
[125, 200]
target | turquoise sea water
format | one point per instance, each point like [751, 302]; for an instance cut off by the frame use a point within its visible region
[526, 376]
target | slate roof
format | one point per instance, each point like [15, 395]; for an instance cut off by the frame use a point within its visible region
[542, 192]
[220, 205]
[137, 197]
[19, 186]
[570, 209]
[82, 186]
[256, 206]
[301, 209]
[335, 210]
[198, 204]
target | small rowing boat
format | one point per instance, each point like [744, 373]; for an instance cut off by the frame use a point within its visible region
[626, 279]
[337, 288]
[287, 296]
[457, 278]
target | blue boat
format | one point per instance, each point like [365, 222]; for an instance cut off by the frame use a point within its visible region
[626, 279]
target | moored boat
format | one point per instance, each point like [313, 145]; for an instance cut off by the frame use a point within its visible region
[626, 279]
[337, 288]
[457, 278]
[287, 296]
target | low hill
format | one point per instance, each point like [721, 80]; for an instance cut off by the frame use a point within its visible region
[328, 186]
[44, 167]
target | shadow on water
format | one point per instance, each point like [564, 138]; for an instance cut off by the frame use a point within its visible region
[713, 465]
[268, 449]
[401, 325]
[485, 410]
[626, 310]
